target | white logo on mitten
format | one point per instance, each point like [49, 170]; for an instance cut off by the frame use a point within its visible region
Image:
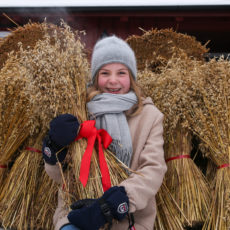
[123, 208]
[47, 151]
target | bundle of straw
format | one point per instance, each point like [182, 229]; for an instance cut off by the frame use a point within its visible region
[168, 212]
[184, 180]
[15, 114]
[155, 47]
[45, 202]
[25, 66]
[207, 109]
[16, 120]
[26, 35]
[19, 194]
[57, 72]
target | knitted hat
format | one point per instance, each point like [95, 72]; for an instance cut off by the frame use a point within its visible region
[112, 49]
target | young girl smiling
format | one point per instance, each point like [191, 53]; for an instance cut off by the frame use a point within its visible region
[136, 127]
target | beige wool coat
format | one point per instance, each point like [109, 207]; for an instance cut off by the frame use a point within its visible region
[146, 131]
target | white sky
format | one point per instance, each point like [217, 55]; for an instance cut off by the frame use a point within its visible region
[69, 3]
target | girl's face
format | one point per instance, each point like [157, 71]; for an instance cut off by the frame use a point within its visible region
[114, 78]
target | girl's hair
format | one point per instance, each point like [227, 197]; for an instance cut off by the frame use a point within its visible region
[93, 90]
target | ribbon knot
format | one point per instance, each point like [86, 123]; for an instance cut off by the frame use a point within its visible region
[90, 132]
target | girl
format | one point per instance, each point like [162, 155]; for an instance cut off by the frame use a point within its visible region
[136, 127]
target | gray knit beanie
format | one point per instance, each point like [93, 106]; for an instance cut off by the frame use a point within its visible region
[112, 49]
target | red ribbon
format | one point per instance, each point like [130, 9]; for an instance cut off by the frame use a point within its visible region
[33, 150]
[223, 166]
[3, 166]
[89, 131]
[177, 157]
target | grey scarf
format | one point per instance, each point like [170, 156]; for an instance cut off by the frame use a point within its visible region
[108, 110]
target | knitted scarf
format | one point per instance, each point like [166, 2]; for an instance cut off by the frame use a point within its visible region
[108, 110]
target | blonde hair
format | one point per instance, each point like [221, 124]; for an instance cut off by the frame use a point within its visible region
[93, 90]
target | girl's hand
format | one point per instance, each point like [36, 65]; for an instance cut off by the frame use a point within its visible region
[96, 213]
[63, 131]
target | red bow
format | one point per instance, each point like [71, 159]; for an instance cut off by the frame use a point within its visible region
[89, 131]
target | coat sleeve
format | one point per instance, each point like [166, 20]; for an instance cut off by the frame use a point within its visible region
[148, 159]
[54, 172]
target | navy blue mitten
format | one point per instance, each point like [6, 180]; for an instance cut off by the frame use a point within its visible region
[113, 204]
[63, 131]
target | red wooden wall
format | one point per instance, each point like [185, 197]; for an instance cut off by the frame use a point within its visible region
[205, 23]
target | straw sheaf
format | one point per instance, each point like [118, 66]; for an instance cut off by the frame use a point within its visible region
[168, 90]
[207, 110]
[45, 76]
[15, 110]
[22, 203]
[27, 35]
[52, 69]
[207, 107]
[168, 212]
[155, 47]
[197, 95]
[15, 125]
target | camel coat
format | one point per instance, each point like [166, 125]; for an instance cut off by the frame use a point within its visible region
[146, 131]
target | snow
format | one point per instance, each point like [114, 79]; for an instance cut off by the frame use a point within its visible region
[110, 3]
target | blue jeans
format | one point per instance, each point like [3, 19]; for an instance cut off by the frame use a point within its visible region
[70, 227]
